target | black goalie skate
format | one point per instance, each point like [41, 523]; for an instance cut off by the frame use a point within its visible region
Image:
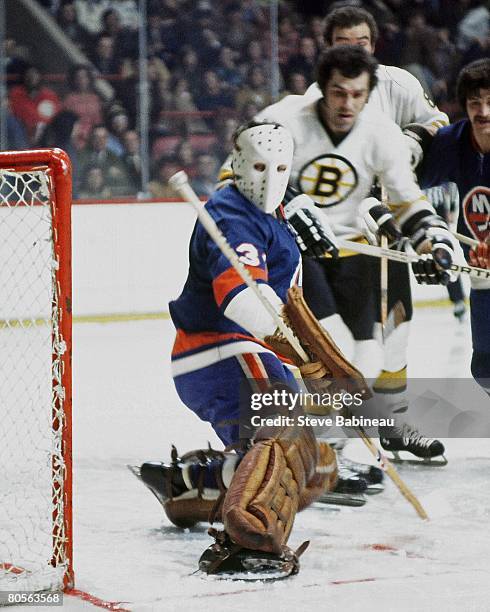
[405, 438]
[185, 504]
[228, 560]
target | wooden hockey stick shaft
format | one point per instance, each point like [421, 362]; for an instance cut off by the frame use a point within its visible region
[393, 474]
[466, 240]
[180, 183]
[384, 274]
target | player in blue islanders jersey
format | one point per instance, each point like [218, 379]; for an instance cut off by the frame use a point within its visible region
[220, 356]
[220, 323]
[461, 153]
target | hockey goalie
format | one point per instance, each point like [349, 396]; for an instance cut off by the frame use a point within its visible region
[226, 342]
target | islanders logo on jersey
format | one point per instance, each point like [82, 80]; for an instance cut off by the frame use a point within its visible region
[476, 209]
[328, 179]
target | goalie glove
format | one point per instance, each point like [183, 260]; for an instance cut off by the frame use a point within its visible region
[430, 235]
[313, 233]
[378, 220]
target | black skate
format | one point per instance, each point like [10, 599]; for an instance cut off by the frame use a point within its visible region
[372, 475]
[229, 561]
[404, 438]
[184, 504]
[165, 481]
[349, 481]
[349, 470]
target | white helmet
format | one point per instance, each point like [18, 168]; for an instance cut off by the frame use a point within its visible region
[261, 162]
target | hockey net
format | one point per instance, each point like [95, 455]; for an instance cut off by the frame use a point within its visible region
[35, 371]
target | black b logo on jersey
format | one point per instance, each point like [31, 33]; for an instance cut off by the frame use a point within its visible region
[328, 179]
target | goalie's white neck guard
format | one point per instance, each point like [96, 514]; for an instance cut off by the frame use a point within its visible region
[261, 162]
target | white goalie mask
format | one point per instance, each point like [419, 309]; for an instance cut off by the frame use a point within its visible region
[261, 162]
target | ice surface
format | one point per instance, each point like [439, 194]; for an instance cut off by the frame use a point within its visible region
[379, 557]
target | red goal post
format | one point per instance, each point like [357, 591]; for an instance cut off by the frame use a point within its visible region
[36, 540]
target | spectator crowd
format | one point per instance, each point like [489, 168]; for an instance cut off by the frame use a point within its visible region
[209, 69]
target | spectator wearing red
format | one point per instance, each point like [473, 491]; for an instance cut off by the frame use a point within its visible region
[33, 104]
[84, 101]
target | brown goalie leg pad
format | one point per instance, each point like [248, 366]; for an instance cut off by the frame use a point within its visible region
[261, 503]
[188, 512]
[324, 479]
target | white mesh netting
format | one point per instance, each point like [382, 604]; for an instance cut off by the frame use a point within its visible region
[31, 461]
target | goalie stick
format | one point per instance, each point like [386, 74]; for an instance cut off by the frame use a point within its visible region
[180, 183]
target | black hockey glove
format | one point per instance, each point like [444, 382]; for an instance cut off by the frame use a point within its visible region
[427, 272]
[431, 234]
[313, 234]
[418, 138]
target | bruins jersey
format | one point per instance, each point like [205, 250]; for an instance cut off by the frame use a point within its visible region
[338, 177]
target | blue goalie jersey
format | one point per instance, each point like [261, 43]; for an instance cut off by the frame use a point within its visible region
[264, 244]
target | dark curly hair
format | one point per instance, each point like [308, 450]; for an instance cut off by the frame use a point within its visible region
[350, 61]
[473, 77]
[348, 17]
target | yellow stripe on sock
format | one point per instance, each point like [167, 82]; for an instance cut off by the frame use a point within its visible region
[391, 382]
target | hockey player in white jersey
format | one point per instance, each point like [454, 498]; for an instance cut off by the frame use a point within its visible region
[341, 145]
[398, 95]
